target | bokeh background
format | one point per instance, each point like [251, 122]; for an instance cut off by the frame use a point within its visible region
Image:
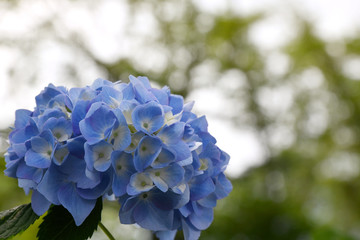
[279, 82]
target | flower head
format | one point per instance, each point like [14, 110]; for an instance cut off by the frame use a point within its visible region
[140, 144]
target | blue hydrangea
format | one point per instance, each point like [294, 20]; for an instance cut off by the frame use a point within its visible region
[139, 144]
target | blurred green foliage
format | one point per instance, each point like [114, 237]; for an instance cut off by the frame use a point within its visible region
[308, 187]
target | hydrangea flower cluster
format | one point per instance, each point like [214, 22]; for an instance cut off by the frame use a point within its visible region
[140, 144]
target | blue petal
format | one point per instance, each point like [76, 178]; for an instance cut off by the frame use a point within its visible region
[194, 143]
[124, 167]
[61, 154]
[74, 94]
[223, 186]
[160, 95]
[99, 83]
[127, 91]
[122, 163]
[50, 123]
[188, 106]
[147, 151]
[39, 203]
[19, 136]
[78, 207]
[199, 124]
[164, 201]
[31, 129]
[127, 107]
[76, 146]
[186, 210]
[210, 151]
[98, 156]
[190, 232]
[120, 137]
[176, 102]
[119, 184]
[60, 128]
[111, 96]
[43, 143]
[209, 201]
[11, 168]
[92, 179]
[177, 219]
[139, 182]
[31, 173]
[46, 95]
[195, 208]
[145, 81]
[10, 155]
[37, 160]
[159, 183]
[26, 184]
[167, 177]
[85, 182]
[141, 90]
[185, 196]
[74, 170]
[40, 145]
[50, 113]
[50, 184]
[164, 158]
[81, 94]
[206, 166]
[168, 114]
[206, 138]
[152, 218]
[196, 160]
[148, 117]
[142, 94]
[221, 164]
[200, 188]
[166, 235]
[61, 102]
[140, 211]
[182, 153]
[22, 117]
[99, 190]
[204, 220]
[209, 157]
[188, 131]
[78, 114]
[126, 210]
[172, 134]
[135, 139]
[97, 124]
[120, 117]
[189, 173]
[128, 202]
[20, 148]
[180, 189]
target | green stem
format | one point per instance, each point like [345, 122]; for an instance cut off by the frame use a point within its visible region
[106, 231]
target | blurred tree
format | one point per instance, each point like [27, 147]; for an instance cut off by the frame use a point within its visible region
[307, 114]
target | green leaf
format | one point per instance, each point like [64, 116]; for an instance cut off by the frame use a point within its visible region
[16, 220]
[59, 224]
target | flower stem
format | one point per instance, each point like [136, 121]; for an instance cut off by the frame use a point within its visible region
[106, 231]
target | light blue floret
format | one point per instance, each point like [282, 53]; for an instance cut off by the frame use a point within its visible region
[148, 118]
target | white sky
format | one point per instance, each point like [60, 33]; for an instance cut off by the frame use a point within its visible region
[333, 20]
